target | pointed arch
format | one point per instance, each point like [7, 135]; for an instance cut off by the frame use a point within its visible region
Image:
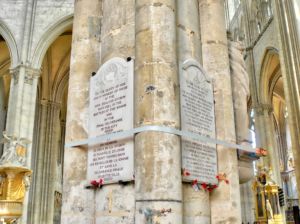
[11, 43]
[49, 37]
[62, 76]
[270, 67]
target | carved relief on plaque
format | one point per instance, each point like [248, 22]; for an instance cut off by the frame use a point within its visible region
[197, 116]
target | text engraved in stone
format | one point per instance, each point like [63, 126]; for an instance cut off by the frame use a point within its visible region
[197, 115]
[111, 110]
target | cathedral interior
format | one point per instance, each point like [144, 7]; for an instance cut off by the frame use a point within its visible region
[250, 49]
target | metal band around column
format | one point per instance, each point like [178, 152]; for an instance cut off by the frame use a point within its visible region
[129, 133]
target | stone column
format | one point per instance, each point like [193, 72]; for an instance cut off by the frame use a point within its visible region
[247, 203]
[21, 112]
[45, 158]
[268, 141]
[2, 110]
[266, 130]
[158, 183]
[35, 189]
[78, 203]
[225, 200]
[285, 19]
[116, 201]
[196, 207]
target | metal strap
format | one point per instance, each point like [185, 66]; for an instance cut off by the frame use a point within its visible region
[130, 133]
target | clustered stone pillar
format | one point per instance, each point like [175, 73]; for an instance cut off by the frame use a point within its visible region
[196, 206]
[266, 132]
[158, 182]
[266, 129]
[225, 200]
[41, 203]
[290, 64]
[78, 203]
[2, 110]
[21, 113]
[116, 202]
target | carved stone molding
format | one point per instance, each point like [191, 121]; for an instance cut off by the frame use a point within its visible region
[262, 108]
[15, 75]
[50, 104]
[30, 74]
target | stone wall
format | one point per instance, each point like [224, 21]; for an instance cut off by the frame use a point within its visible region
[267, 41]
[46, 14]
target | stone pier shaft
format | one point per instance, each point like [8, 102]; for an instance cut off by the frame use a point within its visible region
[114, 202]
[225, 200]
[196, 205]
[78, 203]
[158, 185]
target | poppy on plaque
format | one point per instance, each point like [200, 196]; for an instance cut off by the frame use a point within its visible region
[204, 186]
[96, 183]
[195, 185]
[185, 172]
[222, 177]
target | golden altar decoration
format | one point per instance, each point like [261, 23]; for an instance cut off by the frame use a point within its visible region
[266, 198]
[14, 179]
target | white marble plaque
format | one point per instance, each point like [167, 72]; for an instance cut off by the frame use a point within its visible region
[199, 159]
[111, 110]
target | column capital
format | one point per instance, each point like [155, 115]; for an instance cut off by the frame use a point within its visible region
[49, 103]
[30, 73]
[261, 108]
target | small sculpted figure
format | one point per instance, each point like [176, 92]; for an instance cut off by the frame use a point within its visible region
[15, 151]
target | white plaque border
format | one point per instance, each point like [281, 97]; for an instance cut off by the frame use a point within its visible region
[185, 65]
[129, 63]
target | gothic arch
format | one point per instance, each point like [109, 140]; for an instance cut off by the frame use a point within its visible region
[60, 88]
[61, 79]
[49, 37]
[11, 43]
[52, 55]
[269, 71]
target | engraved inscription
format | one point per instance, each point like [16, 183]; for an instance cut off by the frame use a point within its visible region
[111, 110]
[197, 116]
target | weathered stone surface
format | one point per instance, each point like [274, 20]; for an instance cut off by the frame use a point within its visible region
[225, 200]
[158, 175]
[196, 205]
[78, 205]
[116, 202]
[197, 116]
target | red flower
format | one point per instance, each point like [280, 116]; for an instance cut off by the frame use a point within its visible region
[204, 186]
[214, 186]
[101, 182]
[94, 183]
[218, 177]
[195, 182]
[261, 152]
[185, 172]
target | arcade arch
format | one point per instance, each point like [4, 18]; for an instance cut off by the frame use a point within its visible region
[277, 135]
[4, 83]
[49, 131]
